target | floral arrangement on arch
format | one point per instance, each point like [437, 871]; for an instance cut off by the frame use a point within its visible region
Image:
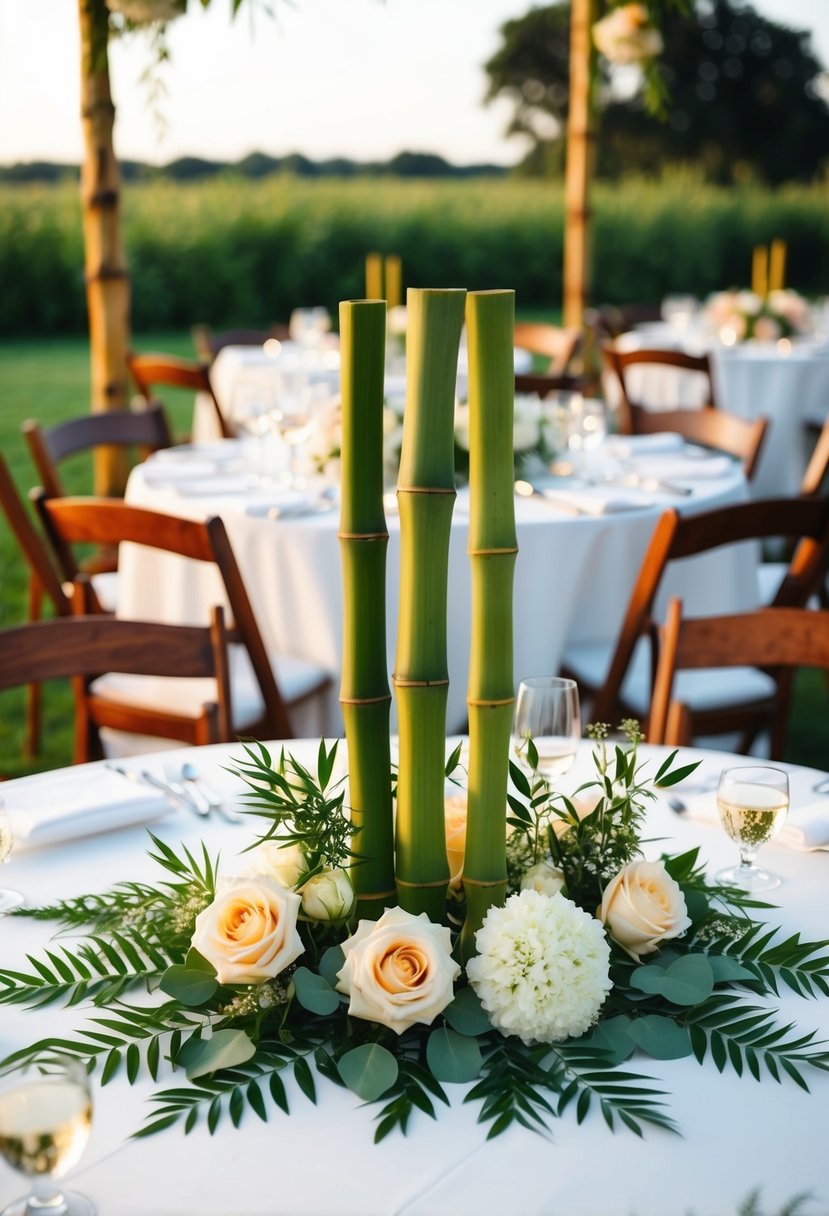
[742, 315]
[384, 936]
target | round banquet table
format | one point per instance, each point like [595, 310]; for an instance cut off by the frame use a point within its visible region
[737, 1136]
[788, 383]
[574, 573]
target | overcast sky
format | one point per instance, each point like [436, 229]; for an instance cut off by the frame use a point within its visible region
[357, 78]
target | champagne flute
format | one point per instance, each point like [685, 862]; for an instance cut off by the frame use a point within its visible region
[45, 1119]
[547, 711]
[752, 802]
[8, 898]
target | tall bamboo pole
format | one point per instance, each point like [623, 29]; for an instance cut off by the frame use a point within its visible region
[364, 689]
[580, 142]
[490, 326]
[426, 497]
[107, 281]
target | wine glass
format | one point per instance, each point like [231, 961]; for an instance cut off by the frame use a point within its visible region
[45, 1119]
[295, 419]
[547, 711]
[752, 802]
[8, 898]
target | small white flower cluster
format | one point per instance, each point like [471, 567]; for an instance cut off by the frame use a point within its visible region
[537, 425]
[626, 35]
[542, 966]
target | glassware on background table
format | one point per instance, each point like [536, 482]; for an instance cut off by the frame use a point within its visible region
[300, 402]
[8, 898]
[45, 1120]
[308, 326]
[587, 429]
[752, 801]
[679, 311]
[547, 711]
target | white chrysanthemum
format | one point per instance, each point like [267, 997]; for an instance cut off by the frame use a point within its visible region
[541, 971]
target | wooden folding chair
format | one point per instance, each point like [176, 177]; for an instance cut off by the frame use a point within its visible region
[260, 705]
[711, 428]
[151, 370]
[83, 647]
[776, 639]
[559, 346]
[146, 430]
[209, 342]
[621, 675]
[618, 362]
[544, 385]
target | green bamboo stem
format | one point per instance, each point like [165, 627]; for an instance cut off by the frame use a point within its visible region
[426, 497]
[364, 687]
[490, 322]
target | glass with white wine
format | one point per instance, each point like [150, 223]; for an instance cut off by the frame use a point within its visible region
[45, 1119]
[547, 711]
[8, 898]
[752, 802]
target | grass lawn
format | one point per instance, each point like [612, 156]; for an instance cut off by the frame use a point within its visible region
[49, 381]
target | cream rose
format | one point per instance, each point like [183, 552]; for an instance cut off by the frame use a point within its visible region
[249, 932]
[454, 810]
[543, 877]
[642, 907]
[398, 970]
[284, 863]
[328, 896]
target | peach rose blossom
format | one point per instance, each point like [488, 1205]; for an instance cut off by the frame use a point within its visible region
[249, 931]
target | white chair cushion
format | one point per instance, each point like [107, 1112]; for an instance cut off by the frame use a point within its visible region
[295, 677]
[708, 688]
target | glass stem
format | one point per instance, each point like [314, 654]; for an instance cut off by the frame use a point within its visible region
[46, 1198]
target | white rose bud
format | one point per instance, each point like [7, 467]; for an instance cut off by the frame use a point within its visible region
[284, 863]
[642, 907]
[544, 878]
[328, 896]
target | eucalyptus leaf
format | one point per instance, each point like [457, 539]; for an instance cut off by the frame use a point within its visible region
[368, 1070]
[728, 970]
[188, 986]
[224, 1049]
[314, 993]
[689, 980]
[696, 903]
[660, 1037]
[466, 1014]
[453, 1057]
[197, 962]
[331, 963]
[612, 1037]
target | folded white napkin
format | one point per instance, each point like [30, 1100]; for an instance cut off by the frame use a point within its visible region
[289, 501]
[627, 447]
[806, 827]
[595, 502]
[218, 452]
[169, 471]
[48, 808]
[219, 483]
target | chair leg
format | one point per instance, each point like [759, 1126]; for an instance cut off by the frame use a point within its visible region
[31, 741]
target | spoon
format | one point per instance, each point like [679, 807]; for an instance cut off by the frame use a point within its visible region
[204, 795]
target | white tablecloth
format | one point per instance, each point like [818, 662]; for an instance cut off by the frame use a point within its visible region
[736, 1136]
[789, 385]
[573, 577]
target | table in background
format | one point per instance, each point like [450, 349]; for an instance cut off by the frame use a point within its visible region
[574, 575]
[321, 1161]
[789, 384]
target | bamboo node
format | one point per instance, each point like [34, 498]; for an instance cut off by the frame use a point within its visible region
[401, 682]
[363, 535]
[365, 700]
[426, 490]
[492, 552]
[106, 274]
[490, 704]
[375, 895]
[480, 882]
[421, 886]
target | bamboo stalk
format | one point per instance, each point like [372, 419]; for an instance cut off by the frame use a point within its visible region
[394, 280]
[364, 688]
[578, 169]
[374, 276]
[426, 497]
[107, 280]
[490, 325]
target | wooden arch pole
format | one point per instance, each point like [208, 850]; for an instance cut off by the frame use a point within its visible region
[579, 166]
[107, 280]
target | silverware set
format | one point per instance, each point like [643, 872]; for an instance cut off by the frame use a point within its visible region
[184, 788]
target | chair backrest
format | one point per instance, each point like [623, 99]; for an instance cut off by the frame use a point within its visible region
[554, 343]
[36, 553]
[818, 465]
[619, 361]
[209, 342]
[742, 438]
[803, 520]
[544, 385]
[151, 370]
[146, 429]
[81, 647]
[106, 521]
[768, 638]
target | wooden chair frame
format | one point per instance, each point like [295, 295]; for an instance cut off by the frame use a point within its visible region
[618, 361]
[81, 647]
[208, 342]
[554, 343]
[106, 521]
[742, 438]
[805, 521]
[146, 429]
[771, 638]
[149, 370]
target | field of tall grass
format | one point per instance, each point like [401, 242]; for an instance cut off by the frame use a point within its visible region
[235, 251]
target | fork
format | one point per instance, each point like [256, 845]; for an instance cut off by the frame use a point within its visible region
[205, 795]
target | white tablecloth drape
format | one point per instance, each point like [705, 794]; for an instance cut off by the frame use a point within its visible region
[573, 578]
[737, 1136]
[789, 385]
